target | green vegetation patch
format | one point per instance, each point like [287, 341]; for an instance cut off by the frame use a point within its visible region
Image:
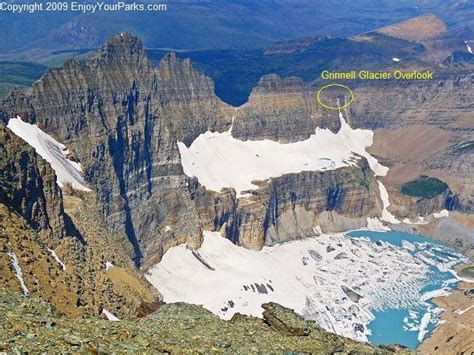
[425, 187]
[467, 272]
[18, 74]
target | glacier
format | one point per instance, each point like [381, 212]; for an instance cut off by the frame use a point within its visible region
[335, 280]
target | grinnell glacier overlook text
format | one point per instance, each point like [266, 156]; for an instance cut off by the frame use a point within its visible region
[83, 7]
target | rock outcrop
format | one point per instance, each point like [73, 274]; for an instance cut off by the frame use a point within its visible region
[284, 110]
[291, 206]
[173, 328]
[28, 186]
[55, 246]
[121, 119]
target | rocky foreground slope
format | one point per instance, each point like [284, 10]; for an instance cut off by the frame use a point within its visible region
[28, 325]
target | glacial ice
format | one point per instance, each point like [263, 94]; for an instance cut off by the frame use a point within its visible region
[386, 276]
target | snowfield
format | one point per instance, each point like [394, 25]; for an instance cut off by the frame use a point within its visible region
[219, 160]
[310, 276]
[55, 153]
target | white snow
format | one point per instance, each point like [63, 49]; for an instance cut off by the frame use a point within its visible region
[219, 160]
[317, 230]
[302, 275]
[421, 220]
[19, 275]
[425, 320]
[109, 315]
[469, 49]
[460, 312]
[55, 256]
[442, 213]
[167, 228]
[435, 293]
[55, 153]
[108, 265]
[395, 59]
[407, 245]
[376, 224]
[386, 215]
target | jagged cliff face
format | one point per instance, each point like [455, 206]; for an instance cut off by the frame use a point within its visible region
[284, 110]
[55, 245]
[292, 206]
[28, 186]
[122, 120]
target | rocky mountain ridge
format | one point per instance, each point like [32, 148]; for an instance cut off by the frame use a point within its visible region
[122, 120]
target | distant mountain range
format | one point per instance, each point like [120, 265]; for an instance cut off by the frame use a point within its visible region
[236, 24]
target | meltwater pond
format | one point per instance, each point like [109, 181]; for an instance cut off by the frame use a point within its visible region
[409, 325]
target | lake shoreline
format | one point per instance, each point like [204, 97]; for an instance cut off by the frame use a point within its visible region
[454, 332]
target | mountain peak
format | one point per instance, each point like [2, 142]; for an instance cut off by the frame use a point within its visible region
[122, 47]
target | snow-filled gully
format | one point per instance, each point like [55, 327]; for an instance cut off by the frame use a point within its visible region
[55, 153]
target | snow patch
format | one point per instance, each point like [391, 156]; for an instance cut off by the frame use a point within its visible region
[55, 153]
[442, 213]
[376, 224]
[19, 275]
[386, 215]
[55, 256]
[108, 265]
[435, 293]
[460, 312]
[109, 315]
[167, 228]
[469, 49]
[395, 59]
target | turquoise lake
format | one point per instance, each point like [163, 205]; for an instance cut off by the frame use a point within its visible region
[401, 326]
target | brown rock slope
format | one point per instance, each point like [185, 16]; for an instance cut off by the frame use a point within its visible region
[35, 223]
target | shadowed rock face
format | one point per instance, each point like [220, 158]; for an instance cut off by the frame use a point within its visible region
[28, 186]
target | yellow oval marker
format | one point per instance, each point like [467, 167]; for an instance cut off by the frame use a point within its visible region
[318, 96]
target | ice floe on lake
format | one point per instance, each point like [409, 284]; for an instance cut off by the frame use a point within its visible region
[310, 276]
